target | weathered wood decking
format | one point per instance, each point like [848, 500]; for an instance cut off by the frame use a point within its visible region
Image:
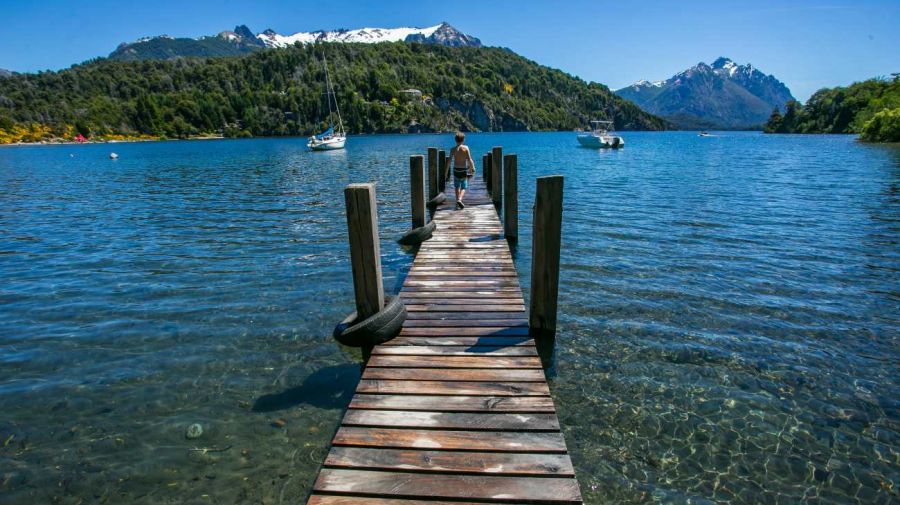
[456, 409]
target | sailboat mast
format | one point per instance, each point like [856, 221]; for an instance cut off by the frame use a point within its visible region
[330, 93]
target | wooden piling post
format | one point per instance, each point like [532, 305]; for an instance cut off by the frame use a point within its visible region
[546, 236]
[487, 172]
[417, 189]
[497, 175]
[365, 251]
[510, 196]
[432, 173]
[442, 174]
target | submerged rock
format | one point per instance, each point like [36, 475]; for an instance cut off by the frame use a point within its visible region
[193, 431]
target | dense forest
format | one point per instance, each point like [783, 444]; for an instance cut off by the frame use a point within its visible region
[280, 92]
[870, 108]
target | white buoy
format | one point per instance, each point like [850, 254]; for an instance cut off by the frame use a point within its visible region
[113, 156]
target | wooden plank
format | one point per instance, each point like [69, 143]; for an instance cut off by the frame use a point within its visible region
[418, 485]
[489, 293]
[472, 315]
[450, 350]
[437, 299]
[463, 323]
[496, 441]
[450, 461]
[462, 308]
[451, 420]
[464, 331]
[325, 499]
[481, 289]
[455, 374]
[474, 361]
[449, 403]
[465, 341]
[431, 387]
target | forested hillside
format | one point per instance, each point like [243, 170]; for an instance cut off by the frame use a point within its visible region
[870, 108]
[280, 92]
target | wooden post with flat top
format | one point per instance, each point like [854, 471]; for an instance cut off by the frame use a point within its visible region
[442, 174]
[365, 251]
[510, 196]
[487, 172]
[546, 237]
[432, 173]
[417, 189]
[497, 175]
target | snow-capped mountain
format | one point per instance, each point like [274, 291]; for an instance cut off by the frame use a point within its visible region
[722, 95]
[242, 41]
[443, 34]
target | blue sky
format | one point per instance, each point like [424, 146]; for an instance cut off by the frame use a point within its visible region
[806, 44]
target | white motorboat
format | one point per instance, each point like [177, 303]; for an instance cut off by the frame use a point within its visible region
[329, 139]
[601, 136]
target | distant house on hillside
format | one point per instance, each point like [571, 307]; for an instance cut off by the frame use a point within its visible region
[412, 95]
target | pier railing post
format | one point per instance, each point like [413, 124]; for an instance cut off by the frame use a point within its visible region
[510, 197]
[442, 175]
[546, 237]
[487, 171]
[497, 175]
[432, 173]
[417, 190]
[365, 251]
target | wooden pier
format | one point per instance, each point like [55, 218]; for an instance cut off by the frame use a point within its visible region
[456, 409]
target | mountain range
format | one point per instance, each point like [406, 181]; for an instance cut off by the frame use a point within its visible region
[722, 95]
[242, 41]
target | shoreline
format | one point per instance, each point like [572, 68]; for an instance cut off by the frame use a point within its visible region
[222, 137]
[94, 142]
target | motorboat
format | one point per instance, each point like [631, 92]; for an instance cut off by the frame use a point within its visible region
[329, 139]
[601, 135]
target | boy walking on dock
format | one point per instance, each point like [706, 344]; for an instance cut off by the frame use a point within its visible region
[463, 168]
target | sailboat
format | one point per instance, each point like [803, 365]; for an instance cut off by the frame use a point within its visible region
[329, 139]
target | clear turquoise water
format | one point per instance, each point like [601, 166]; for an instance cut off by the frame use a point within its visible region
[728, 315]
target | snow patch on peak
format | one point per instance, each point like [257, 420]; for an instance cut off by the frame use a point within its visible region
[644, 83]
[362, 35]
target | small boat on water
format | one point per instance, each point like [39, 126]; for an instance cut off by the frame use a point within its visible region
[329, 139]
[601, 136]
[704, 134]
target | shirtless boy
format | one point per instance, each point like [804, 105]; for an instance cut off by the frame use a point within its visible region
[463, 168]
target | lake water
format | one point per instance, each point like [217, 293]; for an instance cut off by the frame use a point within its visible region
[729, 315]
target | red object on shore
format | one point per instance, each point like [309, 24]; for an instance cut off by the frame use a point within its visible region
[80, 138]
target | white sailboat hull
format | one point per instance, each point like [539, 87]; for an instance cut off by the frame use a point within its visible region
[327, 144]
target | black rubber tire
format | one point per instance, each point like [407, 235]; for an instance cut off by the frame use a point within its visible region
[418, 235]
[437, 200]
[377, 329]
